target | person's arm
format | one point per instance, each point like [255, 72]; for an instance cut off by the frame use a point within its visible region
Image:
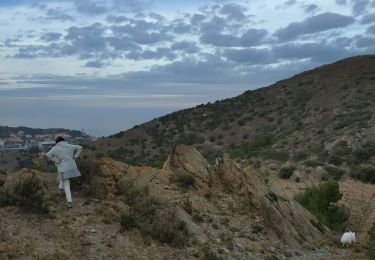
[78, 150]
[51, 155]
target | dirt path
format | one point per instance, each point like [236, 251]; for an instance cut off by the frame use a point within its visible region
[360, 200]
[367, 222]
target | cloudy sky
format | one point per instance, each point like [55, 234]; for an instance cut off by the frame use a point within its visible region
[105, 65]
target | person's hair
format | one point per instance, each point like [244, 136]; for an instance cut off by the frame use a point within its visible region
[59, 139]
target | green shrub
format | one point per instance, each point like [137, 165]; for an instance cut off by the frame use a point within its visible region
[364, 174]
[333, 172]
[128, 221]
[254, 146]
[197, 218]
[340, 153]
[277, 155]
[371, 243]
[183, 179]
[371, 235]
[6, 198]
[287, 171]
[335, 159]
[152, 217]
[211, 156]
[364, 153]
[321, 200]
[190, 139]
[29, 195]
[300, 155]
[209, 254]
[313, 163]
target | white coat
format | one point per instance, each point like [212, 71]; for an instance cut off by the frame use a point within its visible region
[63, 155]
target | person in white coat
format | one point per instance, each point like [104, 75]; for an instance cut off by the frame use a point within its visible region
[63, 155]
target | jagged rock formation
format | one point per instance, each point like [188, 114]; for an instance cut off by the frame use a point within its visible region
[291, 223]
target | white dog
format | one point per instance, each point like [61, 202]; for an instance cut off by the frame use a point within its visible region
[347, 238]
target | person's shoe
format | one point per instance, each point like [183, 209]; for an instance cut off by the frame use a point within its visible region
[69, 205]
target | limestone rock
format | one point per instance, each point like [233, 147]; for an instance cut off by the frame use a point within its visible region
[188, 159]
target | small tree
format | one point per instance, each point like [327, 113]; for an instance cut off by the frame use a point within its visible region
[321, 200]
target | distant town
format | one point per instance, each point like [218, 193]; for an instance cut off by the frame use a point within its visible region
[21, 140]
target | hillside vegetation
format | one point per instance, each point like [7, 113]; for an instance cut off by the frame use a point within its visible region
[323, 117]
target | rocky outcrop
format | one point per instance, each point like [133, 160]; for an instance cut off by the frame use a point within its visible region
[291, 223]
[105, 176]
[287, 219]
[188, 159]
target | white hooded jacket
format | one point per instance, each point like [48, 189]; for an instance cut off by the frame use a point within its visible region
[63, 155]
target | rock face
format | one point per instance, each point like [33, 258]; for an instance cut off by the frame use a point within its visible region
[187, 159]
[287, 219]
[105, 176]
[225, 180]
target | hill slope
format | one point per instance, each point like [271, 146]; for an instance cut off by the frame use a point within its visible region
[226, 213]
[298, 118]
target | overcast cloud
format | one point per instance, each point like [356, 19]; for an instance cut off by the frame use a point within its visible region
[174, 46]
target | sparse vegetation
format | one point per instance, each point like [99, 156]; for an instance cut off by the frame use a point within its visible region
[197, 217]
[251, 148]
[152, 217]
[313, 163]
[363, 154]
[6, 198]
[371, 242]
[287, 171]
[183, 179]
[128, 221]
[334, 172]
[28, 194]
[364, 174]
[321, 200]
[209, 254]
[278, 155]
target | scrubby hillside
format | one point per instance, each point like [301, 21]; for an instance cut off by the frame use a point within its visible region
[325, 114]
[187, 210]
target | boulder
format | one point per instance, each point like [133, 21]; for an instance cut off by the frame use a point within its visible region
[187, 159]
[103, 181]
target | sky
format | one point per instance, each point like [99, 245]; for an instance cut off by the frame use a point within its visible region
[106, 65]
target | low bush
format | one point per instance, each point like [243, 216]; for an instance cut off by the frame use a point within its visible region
[313, 163]
[128, 221]
[254, 146]
[371, 242]
[211, 156]
[197, 218]
[340, 153]
[321, 200]
[287, 171]
[334, 172]
[29, 195]
[183, 179]
[364, 153]
[209, 254]
[364, 174]
[6, 198]
[152, 217]
[278, 155]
